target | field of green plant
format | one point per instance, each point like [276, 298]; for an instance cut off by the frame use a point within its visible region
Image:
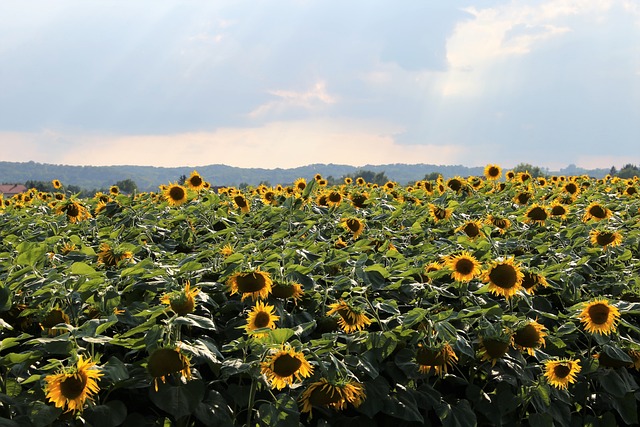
[495, 300]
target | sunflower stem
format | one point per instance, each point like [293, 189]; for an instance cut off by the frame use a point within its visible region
[252, 396]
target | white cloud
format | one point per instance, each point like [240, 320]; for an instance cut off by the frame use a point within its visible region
[311, 99]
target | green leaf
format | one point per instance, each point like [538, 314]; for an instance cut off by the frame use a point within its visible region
[403, 405]
[30, 253]
[178, 400]
[627, 407]
[214, 411]
[197, 321]
[459, 415]
[414, 316]
[5, 298]
[111, 414]
[540, 420]
[115, 370]
[281, 413]
[42, 414]
[80, 268]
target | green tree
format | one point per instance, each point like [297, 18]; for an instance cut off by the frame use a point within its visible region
[534, 171]
[629, 171]
[127, 186]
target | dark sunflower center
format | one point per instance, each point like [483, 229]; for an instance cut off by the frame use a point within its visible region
[55, 317]
[282, 291]
[165, 361]
[494, 172]
[358, 200]
[240, 201]
[439, 213]
[495, 348]
[561, 371]
[523, 198]
[599, 313]
[454, 184]
[73, 386]
[529, 280]
[353, 225]
[504, 276]
[269, 196]
[262, 319]
[558, 210]
[528, 337]
[335, 197]
[605, 238]
[176, 193]
[324, 395]
[73, 210]
[286, 365]
[430, 357]
[500, 223]
[195, 181]
[471, 230]
[537, 214]
[301, 185]
[598, 212]
[464, 266]
[571, 188]
[250, 282]
[631, 190]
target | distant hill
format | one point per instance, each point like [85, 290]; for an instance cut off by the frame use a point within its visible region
[148, 178]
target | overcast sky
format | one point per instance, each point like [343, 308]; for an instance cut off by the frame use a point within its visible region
[288, 83]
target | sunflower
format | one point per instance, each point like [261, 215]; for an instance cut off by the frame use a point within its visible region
[599, 317]
[354, 225]
[389, 185]
[254, 284]
[359, 200]
[437, 358]
[284, 290]
[522, 198]
[351, 318]
[492, 172]
[181, 302]
[504, 278]
[110, 257]
[73, 386]
[56, 184]
[456, 184]
[361, 181]
[175, 194]
[283, 365]
[241, 202]
[536, 215]
[464, 267]
[114, 190]
[439, 213]
[558, 210]
[561, 373]
[164, 362]
[332, 394]
[494, 348]
[75, 211]
[510, 175]
[226, 251]
[501, 223]
[605, 239]
[269, 197]
[431, 267]
[53, 318]
[334, 198]
[630, 191]
[339, 244]
[195, 181]
[530, 337]
[348, 180]
[322, 182]
[261, 316]
[531, 281]
[597, 212]
[523, 177]
[473, 229]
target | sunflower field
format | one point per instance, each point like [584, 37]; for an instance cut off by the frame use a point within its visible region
[493, 301]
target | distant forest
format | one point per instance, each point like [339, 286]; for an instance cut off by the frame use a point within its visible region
[148, 178]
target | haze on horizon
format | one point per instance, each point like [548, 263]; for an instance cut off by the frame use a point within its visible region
[281, 84]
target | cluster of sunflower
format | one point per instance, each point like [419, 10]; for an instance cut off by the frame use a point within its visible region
[316, 303]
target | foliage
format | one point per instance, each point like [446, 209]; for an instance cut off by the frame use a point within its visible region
[373, 311]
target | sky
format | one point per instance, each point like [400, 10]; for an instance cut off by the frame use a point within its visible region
[287, 83]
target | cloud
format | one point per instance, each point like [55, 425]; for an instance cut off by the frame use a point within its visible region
[312, 99]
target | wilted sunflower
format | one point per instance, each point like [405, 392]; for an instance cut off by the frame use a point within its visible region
[492, 172]
[501, 223]
[473, 229]
[531, 281]
[283, 365]
[605, 239]
[284, 290]
[110, 257]
[181, 302]
[75, 211]
[354, 225]
[71, 387]
[530, 337]
[536, 215]
[340, 244]
[195, 181]
[254, 284]
[54, 317]
[494, 348]
[437, 358]
[599, 317]
[464, 267]
[241, 202]
[561, 373]
[439, 213]
[261, 316]
[164, 362]
[504, 278]
[332, 394]
[56, 184]
[597, 212]
[351, 318]
[175, 194]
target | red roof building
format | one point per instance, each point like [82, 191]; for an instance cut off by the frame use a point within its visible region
[8, 190]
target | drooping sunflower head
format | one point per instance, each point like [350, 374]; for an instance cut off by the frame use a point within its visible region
[195, 181]
[438, 213]
[182, 302]
[54, 317]
[334, 198]
[111, 257]
[354, 225]
[360, 199]
[522, 198]
[524, 177]
[261, 316]
[464, 267]
[287, 289]
[530, 337]
[456, 184]
[492, 172]
[504, 278]
[334, 394]
[352, 318]
[561, 373]
[175, 194]
[74, 210]
[473, 229]
[493, 348]
[71, 387]
[597, 212]
[283, 366]
[571, 188]
[605, 239]
[254, 284]
[502, 224]
[537, 214]
[242, 203]
[437, 358]
[165, 362]
[599, 317]
[558, 210]
[56, 184]
[531, 281]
